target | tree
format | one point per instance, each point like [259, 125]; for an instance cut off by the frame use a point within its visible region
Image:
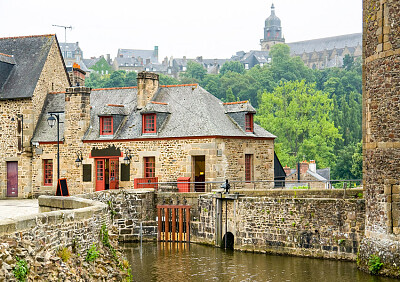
[229, 95]
[348, 62]
[130, 79]
[299, 115]
[195, 71]
[233, 66]
[167, 80]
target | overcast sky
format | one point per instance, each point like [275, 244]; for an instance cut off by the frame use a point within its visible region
[208, 28]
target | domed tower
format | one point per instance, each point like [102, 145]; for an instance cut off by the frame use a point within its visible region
[272, 31]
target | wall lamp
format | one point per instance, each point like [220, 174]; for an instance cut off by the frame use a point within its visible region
[128, 157]
[79, 158]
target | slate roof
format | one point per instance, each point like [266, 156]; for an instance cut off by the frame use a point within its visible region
[189, 111]
[30, 54]
[135, 53]
[328, 43]
[55, 102]
[192, 112]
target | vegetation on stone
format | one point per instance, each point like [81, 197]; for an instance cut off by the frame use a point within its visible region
[21, 269]
[92, 253]
[374, 264]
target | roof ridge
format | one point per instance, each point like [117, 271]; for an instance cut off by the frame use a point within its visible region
[114, 88]
[6, 55]
[233, 103]
[179, 85]
[27, 36]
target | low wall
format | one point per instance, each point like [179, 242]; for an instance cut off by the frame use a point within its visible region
[58, 228]
[302, 223]
[129, 208]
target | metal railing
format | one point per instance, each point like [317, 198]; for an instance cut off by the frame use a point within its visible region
[237, 185]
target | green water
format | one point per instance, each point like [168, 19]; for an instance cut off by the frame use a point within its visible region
[167, 262]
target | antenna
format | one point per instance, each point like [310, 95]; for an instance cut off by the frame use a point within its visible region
[65, 29]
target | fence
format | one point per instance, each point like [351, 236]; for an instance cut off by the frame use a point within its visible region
[237, 185]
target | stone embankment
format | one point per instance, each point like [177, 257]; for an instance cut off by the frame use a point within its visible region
[61, 245]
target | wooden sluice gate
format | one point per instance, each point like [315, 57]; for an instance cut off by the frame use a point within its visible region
[173, 223]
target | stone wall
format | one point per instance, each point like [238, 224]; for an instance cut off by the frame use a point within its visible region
[129, 208]
[381, 133]
[174, 158]
[68, 223]
[292, 223]
[52, 78]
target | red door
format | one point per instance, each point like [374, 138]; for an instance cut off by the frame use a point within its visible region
[114, 173]
[100, 180]
[12, 179]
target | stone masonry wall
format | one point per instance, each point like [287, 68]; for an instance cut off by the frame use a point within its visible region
[293, 225]
[381, 133]
[52, 78]
[174, 158]
[129, 208]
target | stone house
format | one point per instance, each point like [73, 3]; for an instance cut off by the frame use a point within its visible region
[118, 137]
[30, 68]
[307, 174]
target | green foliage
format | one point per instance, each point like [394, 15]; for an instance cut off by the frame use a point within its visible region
[360, 195]
[375, 264]
[341, 241]
[357, 162]
[294, 224]
[64, 253]
[21, 269]
[92, 253]
[299, 188]
[167, 80]
[102, 67]
[194, 71]
[233, 66]
[299, 116]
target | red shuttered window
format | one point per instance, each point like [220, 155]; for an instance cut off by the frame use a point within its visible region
[248, 167]
[149, 123]
[48, 172]
[149, 167]
[249, 123]
[106, 125]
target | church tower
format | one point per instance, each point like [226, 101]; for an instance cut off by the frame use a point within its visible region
[272, 31]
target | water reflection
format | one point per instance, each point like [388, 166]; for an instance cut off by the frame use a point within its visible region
[183, 262]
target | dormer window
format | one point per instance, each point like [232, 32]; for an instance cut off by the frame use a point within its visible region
[106, 125]
[249, 123]
[149, 123]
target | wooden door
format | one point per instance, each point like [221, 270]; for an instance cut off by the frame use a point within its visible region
[100, 175]
[12, 179]
[114, 173]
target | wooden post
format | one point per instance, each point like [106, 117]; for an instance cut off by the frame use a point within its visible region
[166, 224]
[159, 223]
[180, 225]
[188, 225]
[173, 224]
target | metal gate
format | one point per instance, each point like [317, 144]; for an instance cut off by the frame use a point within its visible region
[173, 223]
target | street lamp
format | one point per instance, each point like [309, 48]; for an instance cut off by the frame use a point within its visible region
[128, 157]
[52, 121]
[79, 158]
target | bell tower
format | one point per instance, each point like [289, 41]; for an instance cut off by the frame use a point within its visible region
[272, 31]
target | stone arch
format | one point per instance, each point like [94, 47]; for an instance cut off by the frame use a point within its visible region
[230, 241]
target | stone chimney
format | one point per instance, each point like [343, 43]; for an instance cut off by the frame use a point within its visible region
[287, 170]
[76, 123]
[147, 86]
[76, 75]
[312, 166]
[303, 167]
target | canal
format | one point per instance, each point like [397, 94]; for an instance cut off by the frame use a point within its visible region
[181, 262]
